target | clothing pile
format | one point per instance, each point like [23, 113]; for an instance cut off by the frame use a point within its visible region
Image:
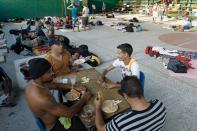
[3, 47]
[174, 60]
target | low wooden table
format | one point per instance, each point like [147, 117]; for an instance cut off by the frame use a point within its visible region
[108, 94]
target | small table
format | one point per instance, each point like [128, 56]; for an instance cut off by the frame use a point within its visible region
[108, 94]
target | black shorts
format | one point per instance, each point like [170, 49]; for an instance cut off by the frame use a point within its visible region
[76, 125]
[85, 21]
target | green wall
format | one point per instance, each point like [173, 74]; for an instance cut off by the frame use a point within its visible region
[30, 8]
[110, 4]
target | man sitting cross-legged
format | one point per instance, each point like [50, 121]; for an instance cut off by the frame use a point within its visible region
[55, 116]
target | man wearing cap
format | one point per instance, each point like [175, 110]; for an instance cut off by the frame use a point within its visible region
[55, 116]
[59, 58]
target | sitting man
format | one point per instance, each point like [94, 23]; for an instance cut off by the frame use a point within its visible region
[6, 84]
[50, 32]
[59, 58]
[129, 28]
[68, 22]
[125, 61]
[39, 36]
[142, 115]
[187, 25]
[55, 116]
[59, 22]
[90, 58]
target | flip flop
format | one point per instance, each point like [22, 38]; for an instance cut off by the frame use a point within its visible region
[8, 102]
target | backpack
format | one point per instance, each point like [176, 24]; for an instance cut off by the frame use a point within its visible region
[99, 22]
[14, 32]
[129, 29]
[93, 60]
[176, 66]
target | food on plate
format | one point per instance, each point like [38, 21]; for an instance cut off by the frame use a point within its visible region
[85, 80]
[109, 106]
[73, 95]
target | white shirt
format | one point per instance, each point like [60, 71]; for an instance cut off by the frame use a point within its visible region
[85, 12]
[133, 70]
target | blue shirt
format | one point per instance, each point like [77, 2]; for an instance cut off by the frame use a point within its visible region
[39, 32]
[73, 12]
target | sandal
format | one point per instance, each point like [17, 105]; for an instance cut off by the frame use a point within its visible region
[8, 102]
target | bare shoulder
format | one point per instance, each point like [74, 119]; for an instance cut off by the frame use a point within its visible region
[67, 53]
[37, 96]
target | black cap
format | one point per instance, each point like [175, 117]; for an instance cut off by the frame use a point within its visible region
[38, 67]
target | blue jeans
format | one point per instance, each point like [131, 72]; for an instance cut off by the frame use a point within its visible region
[74, 21]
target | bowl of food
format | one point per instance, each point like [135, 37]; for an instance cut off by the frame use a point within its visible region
[109, 106]
[73, 95]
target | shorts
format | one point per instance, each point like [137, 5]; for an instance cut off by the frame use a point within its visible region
[186, 27]
[74, 21]
[85, 21]
[76, 125]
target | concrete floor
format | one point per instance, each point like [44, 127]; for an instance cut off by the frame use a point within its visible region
[178, 94]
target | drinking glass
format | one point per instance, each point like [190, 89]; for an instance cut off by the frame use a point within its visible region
[88, 114]
[73, 80]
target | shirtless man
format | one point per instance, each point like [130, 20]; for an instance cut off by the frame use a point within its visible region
[44, 106]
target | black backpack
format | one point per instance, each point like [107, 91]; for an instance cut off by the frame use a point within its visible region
[99, 22]
[177, 66]
[129, 29]
[14, 32]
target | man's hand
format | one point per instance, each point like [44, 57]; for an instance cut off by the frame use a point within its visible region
[102, 78]
[86, 96]
[102, 81]
[80, 87]
[98, 102]
[107, 85]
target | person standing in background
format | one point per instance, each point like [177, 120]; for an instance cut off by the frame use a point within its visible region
[93, 8]
[73, 9]
[85, 15]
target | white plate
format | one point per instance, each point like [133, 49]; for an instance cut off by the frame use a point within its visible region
[108, 103]
[79, 61]
[74, 99]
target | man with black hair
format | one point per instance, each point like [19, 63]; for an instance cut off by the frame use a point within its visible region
[55, 116]
[83, 53]
[142, 115]
[125, 61]
[59, 58]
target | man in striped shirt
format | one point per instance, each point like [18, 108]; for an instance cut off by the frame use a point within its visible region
[142, 115]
